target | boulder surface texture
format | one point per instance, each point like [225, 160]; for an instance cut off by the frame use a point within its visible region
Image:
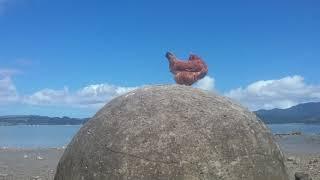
[172, 132]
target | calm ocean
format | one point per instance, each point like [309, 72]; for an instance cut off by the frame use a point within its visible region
[57, 136]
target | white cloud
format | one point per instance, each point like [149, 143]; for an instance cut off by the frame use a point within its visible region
[8, 72]
[207, 83]
[280, 93]
[98, 94]
[47, 97]
[264, 94]
[8, 92]
[89, 96]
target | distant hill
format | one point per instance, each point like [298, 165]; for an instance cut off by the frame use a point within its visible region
[39, 120]
[302, 113]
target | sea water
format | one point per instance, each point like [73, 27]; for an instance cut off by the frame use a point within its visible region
[37, 136]
[43, 136]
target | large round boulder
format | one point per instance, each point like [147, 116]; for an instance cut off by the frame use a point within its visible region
[172, 132]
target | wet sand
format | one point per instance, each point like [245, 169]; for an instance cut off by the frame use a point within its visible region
[307, 163]
[29, 164]
[302, 154]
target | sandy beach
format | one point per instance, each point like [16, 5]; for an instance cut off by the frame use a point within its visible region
[302, 154]
[29, 164]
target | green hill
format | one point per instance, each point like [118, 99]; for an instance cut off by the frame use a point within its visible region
[302, 113]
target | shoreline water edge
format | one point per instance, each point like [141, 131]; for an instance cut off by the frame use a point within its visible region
[301, 150]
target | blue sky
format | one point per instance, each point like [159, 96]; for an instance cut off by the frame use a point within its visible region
[70, 57]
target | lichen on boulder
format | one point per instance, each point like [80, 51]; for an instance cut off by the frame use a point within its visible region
[172, 132]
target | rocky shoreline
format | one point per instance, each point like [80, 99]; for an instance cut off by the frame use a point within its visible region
[303, 163]
[302, 153]
[40, 164]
